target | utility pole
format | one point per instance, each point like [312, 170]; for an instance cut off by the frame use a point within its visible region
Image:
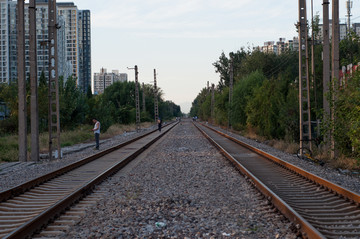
[313, 65]
[231, 83]
[349, 5]
[143, 97]
[212, 103]
[156, 108]
[54, 106]
[33, 83]
[326, 67]
[137, 101]
[335, 66]
[21, 82]
[304, 89]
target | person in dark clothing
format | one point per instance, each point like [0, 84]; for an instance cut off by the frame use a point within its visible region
[159, 124]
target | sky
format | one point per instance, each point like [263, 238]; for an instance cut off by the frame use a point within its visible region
[181, 39]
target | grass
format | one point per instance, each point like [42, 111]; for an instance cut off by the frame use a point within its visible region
[9, 148]
[346, 163]
[292, 148]
[9, 151]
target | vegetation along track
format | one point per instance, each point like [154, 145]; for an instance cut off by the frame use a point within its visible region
[29, 207]
[318, 208]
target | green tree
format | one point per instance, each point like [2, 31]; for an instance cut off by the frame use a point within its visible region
[243, 92]
[9, 96]
[347, 114]
[198, 101]
[73, 107]
[350, 49]
[263, 110]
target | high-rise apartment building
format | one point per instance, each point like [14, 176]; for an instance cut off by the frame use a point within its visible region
[343, 31]
[69, 11]
[85, 50]
[103, 79]
[4, 41]
[68, 35]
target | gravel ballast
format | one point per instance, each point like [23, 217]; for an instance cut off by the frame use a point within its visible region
[182, 188]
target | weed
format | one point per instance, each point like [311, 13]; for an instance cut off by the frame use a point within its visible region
[9, 151]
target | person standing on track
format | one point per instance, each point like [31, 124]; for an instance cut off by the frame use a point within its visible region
[96, 130]
[159, 124]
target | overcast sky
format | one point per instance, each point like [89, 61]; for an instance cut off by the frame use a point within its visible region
[182, 38]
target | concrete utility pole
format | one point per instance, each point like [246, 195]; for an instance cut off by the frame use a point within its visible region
[349, 5]
[212, 103]
[304, 89]
[137, 101]
[34, 83]
[21, 82]
[156, 108]
[54, 106]
[313, 65]
[335, 66]
[143, 97]
[231, 86]
[326, 67]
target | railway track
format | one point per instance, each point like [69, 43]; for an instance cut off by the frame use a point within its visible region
[29, 207]
[318, 208]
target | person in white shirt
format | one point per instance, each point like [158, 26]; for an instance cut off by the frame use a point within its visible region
[96, 130]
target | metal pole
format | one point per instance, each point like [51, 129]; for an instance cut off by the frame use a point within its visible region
[313, 61]
[54, 106]
[156, 107]
[335, 66]
[137, 99]
[34, 83]
[348, 7]
[21, 82]
[143, 97]
[304, 89]
[230, 92]
[212, 103]
[326, 67]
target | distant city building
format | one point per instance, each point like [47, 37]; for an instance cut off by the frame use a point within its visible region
[4, 41]
[73, 37]
[70, 13]
[268, 47]
[343, 31]
[356, 28]
[292, 45]
[103, 79]
[278, 48]
[85, 50]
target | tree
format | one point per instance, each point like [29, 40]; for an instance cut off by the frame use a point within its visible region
[263, 110]
[350, 49]
[73, 107]
[243, 92]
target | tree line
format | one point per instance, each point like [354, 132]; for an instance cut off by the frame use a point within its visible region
[266, 96]
[115, 106]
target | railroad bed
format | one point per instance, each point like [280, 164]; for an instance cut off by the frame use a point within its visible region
[180, 187]
[28, 207]
[318, 208]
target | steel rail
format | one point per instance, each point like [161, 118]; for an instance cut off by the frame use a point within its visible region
[23, 187]
[318, 208]
[348, 194]
[35, 224]
[301, 224]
